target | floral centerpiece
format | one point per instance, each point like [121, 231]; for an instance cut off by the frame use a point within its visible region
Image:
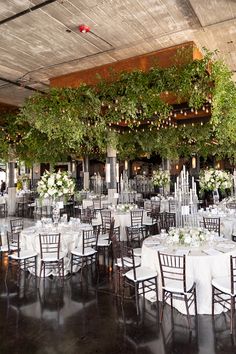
[160, 178]
[23, 182]
[55, 185]
[188, 236]
[212, 179]
[126, 207]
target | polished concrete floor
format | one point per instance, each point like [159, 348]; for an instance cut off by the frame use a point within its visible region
[86, 318]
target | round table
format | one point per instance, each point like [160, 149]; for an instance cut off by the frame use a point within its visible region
[70, 238]
[123, 219]
[227, 220]
[201, 267]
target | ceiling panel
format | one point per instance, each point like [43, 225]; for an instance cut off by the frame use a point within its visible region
[46, 42]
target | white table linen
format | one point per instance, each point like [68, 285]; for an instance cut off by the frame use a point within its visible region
[227, 220]
[70, 238]
[89, 202]
[123, 219]
[199, 266]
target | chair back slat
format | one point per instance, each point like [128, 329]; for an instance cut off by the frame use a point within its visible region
[16, 225]
[128, 260]
[89, 239]
[134, 236]
[231, 205]
[106, 219]
[13, 242]
[172, 268]
[136, 217]
[170, 220]
[233, 273]
[97, 203]
[212, 224]
[87, 215]
[50, 244]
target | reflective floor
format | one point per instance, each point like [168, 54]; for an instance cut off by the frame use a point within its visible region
[86, 317]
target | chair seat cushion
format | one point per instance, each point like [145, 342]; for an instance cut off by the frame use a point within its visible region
[149, 222]
[103, 243]
[127, 262]
[176, 286]
[52, 257]
[142, 274]
[137, 252]
[23, 255]
[104, 236]
[4, 248]
[223, 284]
[88, 251]
[13, 247]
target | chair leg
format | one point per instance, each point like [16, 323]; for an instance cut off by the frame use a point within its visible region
[71, 264]
[35, 269]
[187, 310]
[137, 297]
[171, 302]
[156, 285]
[40, 273]
[232, 313]
[195, 302]
[213, 301]
[162, 305]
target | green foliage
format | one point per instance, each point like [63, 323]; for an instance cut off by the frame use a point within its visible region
[78, 121]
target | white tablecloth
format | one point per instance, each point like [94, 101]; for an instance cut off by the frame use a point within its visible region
[227, 222]
[123, 219]
[89, 202]
[70, 238]
[164, 206]
[201, 267]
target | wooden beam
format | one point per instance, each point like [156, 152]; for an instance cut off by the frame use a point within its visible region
[7, 108]
[163, 58]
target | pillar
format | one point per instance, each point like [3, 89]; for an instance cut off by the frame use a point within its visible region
[86, 172]
[11, 189]
[111, 174]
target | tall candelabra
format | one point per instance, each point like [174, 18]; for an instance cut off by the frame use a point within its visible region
[234, 183]
[186, 200]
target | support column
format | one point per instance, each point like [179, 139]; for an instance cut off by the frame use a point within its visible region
[86, 172]
[166, 167]
[111, 174]
[11, 189]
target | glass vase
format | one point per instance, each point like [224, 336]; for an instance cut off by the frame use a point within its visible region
[56, 213]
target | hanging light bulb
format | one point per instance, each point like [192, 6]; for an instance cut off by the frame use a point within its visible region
[194, 162]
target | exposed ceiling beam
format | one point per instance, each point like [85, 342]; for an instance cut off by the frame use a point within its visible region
[163, 58]
[24, 12]
[20, 85]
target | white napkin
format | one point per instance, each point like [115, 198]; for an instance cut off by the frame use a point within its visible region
[159, 247]
[182, 252]
[152, 242]
[211, 251]
[226, 245]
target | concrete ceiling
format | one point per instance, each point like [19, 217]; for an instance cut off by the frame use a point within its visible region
[40, 38]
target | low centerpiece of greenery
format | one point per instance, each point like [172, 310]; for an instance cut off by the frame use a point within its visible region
[188, 236]
[55, 185]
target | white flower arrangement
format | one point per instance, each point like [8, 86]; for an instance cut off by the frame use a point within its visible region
[188, 236]
[211, 180]
[55, 185]
[160, 178]
[126, 207]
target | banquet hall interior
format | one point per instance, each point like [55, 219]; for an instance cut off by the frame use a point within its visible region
[118, 176]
